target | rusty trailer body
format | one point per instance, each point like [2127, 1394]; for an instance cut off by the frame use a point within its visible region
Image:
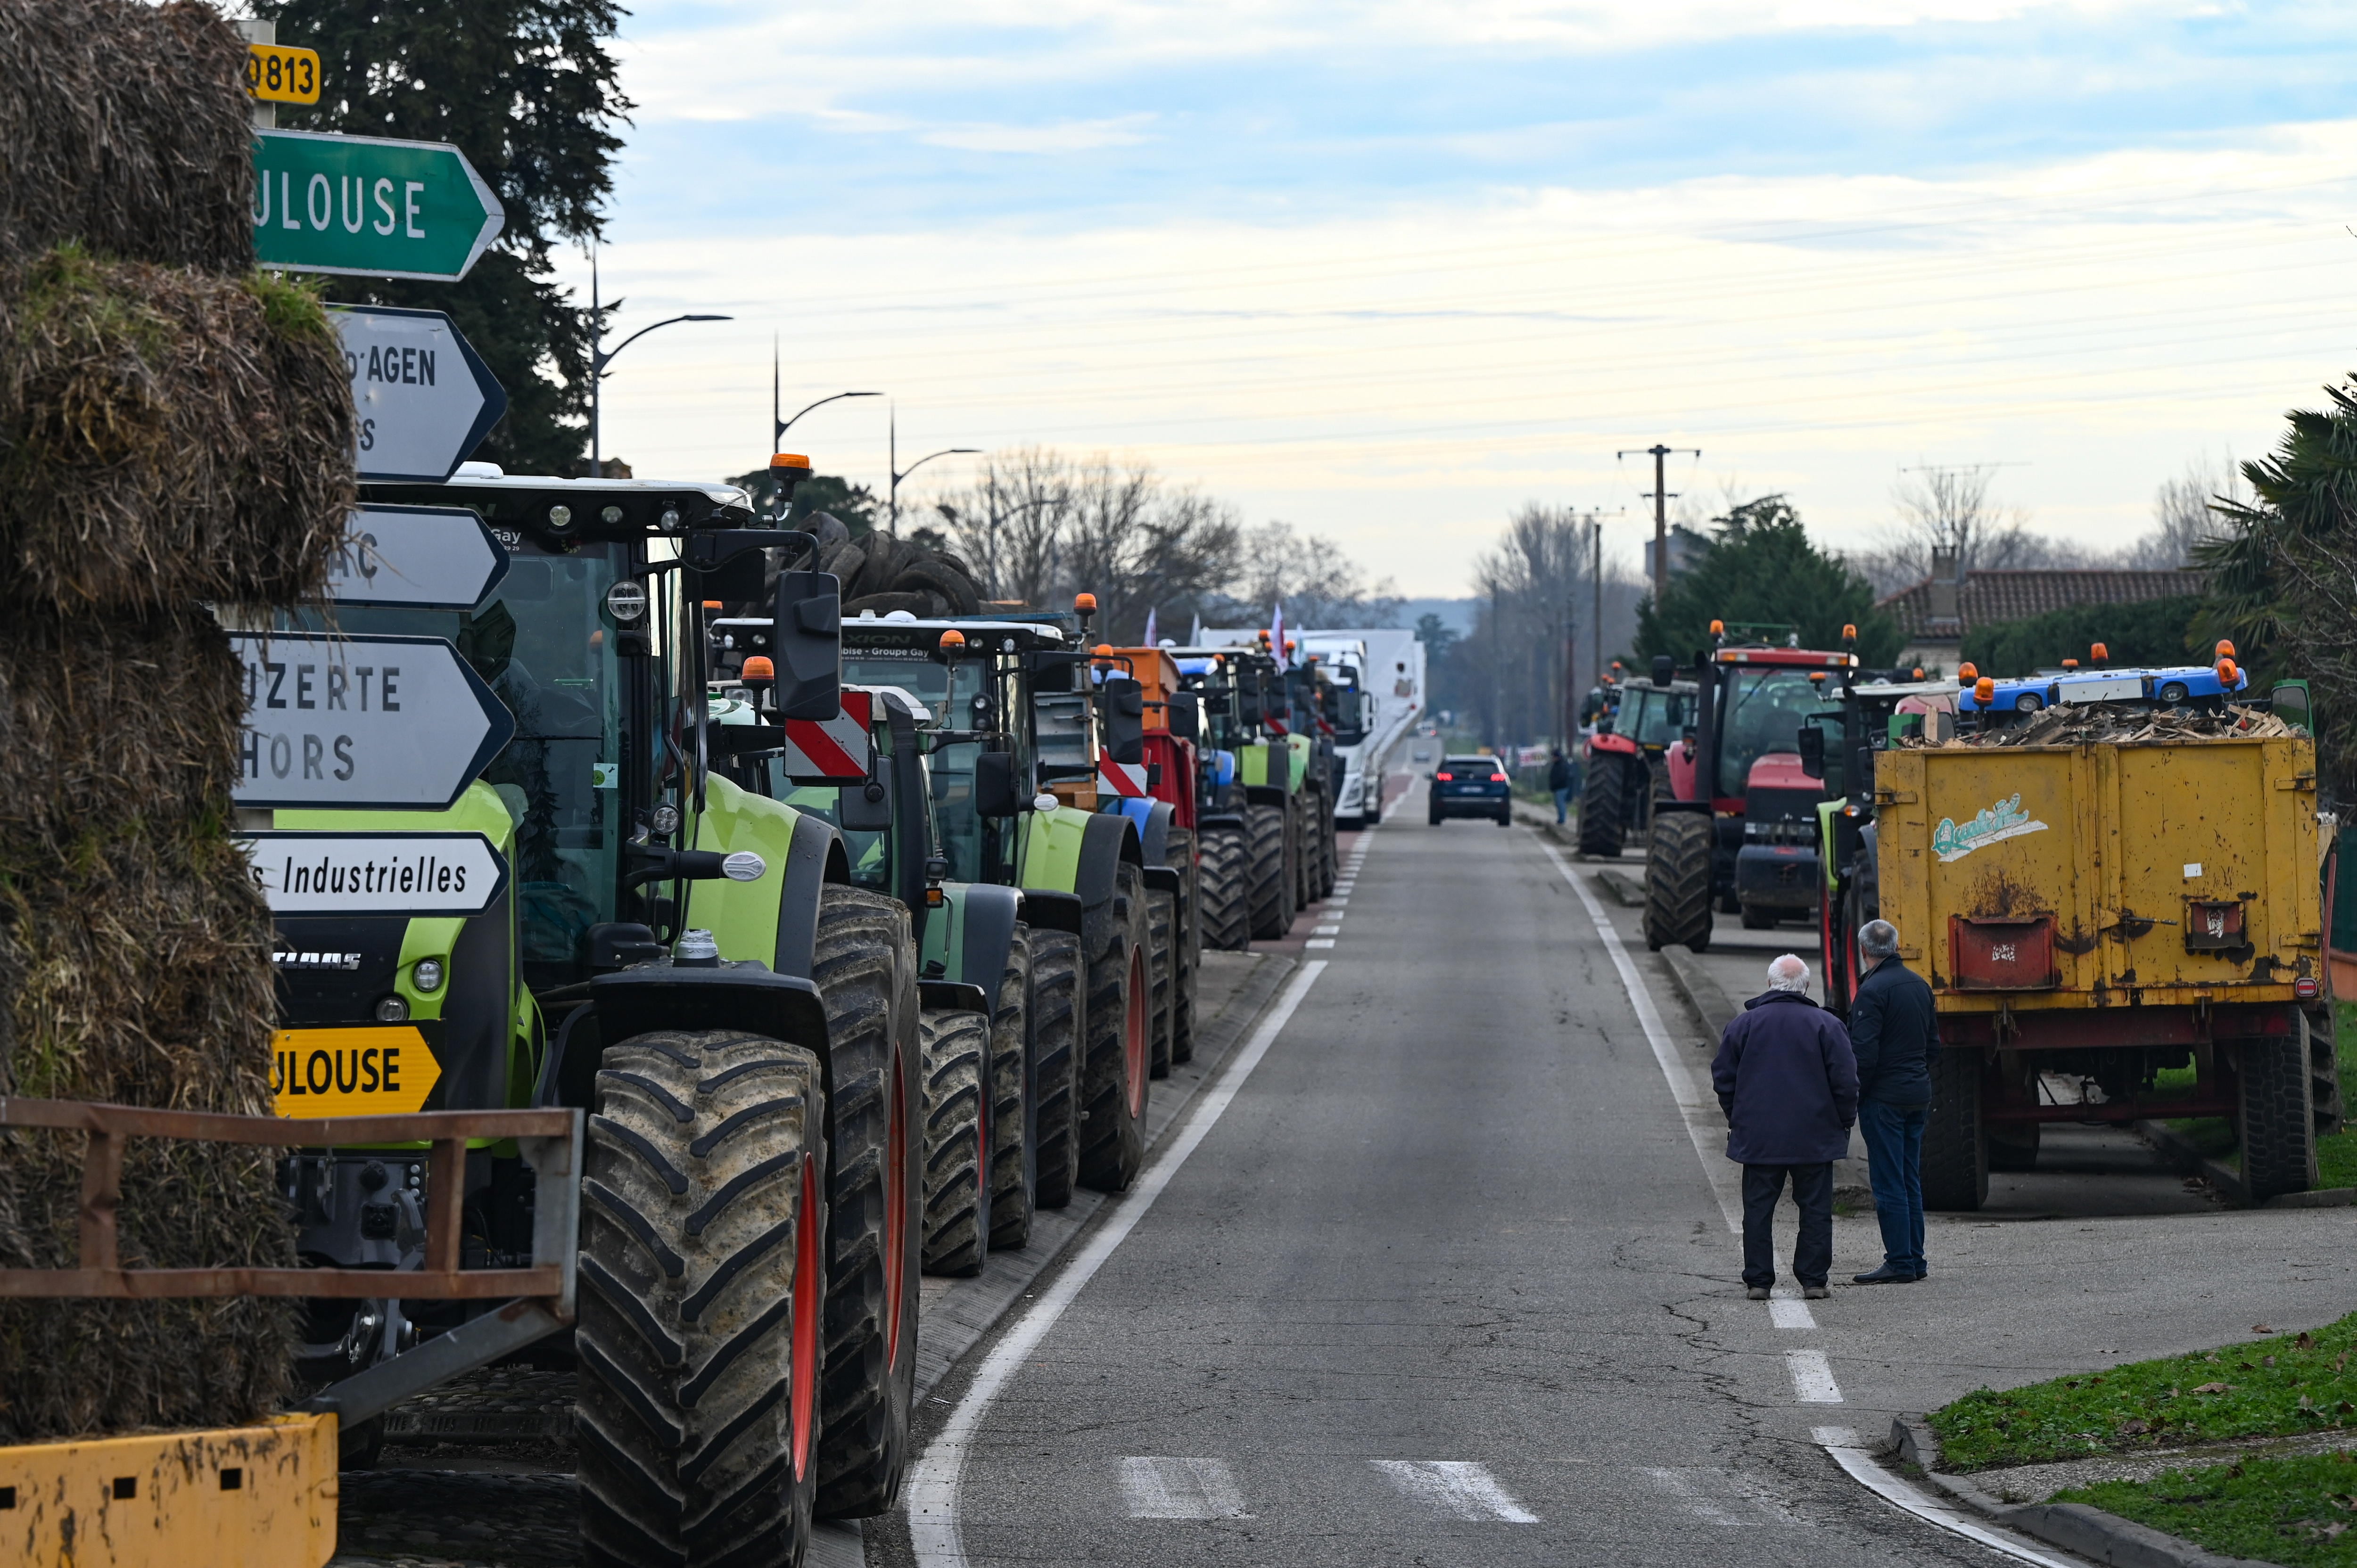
[2110, 912]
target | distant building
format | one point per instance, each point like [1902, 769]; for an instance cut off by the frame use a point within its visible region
[1686, 547]
[1937, 612]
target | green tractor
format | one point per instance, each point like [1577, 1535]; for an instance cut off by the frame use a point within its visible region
[1013, 738]
[1274, 766]
[698, 967]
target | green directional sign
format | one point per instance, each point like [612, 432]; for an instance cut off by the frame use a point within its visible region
[368, 206]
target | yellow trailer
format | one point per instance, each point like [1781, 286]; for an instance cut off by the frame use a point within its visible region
[2107, 910]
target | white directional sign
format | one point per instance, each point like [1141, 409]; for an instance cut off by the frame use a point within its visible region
[362, 722]
[426, 557]
[376, 874]
[424, 397]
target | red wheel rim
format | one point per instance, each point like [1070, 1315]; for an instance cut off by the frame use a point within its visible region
[896, 1211]
[1132, 1044]
[806, 1312]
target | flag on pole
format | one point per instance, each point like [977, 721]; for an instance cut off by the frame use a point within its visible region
[1149, 628]
[1276, 634]
[1195, 637]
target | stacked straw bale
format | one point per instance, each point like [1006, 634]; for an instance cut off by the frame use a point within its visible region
[173, 430]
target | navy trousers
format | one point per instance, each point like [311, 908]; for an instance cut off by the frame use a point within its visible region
[1813, 1194]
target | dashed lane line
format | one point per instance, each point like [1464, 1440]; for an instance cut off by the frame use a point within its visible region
[932, 1495]
[1812, 1376]
[1458, 1489]
[1180, 1488]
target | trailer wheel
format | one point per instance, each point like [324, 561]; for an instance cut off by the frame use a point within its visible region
[1058, 1015]
[1600, 799]
[865, 970]
[956, 1046]
[2013, 1146]
[1224, 877]
[1955, 1152]
[1677, 882]
[1162, 970]
[1189, 945]
[1014, 1106]
[702, 1272]
[2275, 1116]
[1114, 1070]
[1267, 870]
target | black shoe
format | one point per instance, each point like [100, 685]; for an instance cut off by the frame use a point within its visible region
[1886, 1275]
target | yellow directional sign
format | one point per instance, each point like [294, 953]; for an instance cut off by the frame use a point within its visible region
[378, 1070]
[282, 75]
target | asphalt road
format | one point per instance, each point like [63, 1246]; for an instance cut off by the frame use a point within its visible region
[1446, 1283]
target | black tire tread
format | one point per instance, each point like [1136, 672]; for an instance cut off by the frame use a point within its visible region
[1955, 1149]
[1058, 1014]
[1189, 947]
[1224, 878]
[1162, 973]
[2274, 1117]
[955, 1047]
[684, 1431]
[1113, 1141]
[1268, 871]
[1010, 1188]
[1677, 881]
[1600, 798]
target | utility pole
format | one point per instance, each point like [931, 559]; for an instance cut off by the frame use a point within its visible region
[1660, 499]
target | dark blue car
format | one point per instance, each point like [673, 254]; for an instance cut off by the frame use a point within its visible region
[1473, 787]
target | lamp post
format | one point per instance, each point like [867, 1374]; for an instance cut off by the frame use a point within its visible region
[600, 358]
[898, 473]
[778, 427]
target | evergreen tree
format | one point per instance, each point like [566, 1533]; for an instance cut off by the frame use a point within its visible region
[1760, 572]
[527, 90]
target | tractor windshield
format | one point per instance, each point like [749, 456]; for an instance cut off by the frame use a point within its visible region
[1661, 719]
[1763, 711]
[952, 695]
[542, 641]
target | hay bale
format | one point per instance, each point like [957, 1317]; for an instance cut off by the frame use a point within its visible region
[166, 437]
[127, 128]
[135, 967]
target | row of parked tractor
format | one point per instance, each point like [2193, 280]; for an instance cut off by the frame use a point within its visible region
[849, 943]
[2112, 876]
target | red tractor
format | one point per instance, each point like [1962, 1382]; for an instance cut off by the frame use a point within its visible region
[1741, 834]
[1642, 750]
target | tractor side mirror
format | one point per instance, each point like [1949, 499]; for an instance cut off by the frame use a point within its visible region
[1184, 712]
[993, 785]
[867, 805]
[1812, 751]
[1665, 669]
[2289, 703]
[1248, 704]
[1125, 720]
[807, 646]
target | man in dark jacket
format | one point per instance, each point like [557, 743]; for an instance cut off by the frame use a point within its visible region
[1789, 1086]
[1896, 1034]
[1563, 778]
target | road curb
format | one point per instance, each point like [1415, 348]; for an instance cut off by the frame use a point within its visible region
[2180, 1153]
[1629, 895]
[2091, 1533]
[1703, 993]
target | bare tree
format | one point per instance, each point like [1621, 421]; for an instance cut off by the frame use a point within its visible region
[1536, 591]
[1310, 576]
[2185, 514]
[1950, 508]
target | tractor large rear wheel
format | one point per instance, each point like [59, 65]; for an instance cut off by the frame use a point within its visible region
[1224, 876]
[1162, 976]
[1268, 871]
[956, 1048]
[1187, 945]
[1677, 881]
[863, 964]
[1601, 797]
[1013, 1183]
[2274, 1115]
[1059, 1013]
[703, 1274]
[1955, 1145]
[1114, 1073]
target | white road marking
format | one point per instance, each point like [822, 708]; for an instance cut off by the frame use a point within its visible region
[1704, 1126]
[1456, 1487]
[932, 1495]
[1180, 1488]
[1698, 1502]
[1319, 942]
[1336, 903]
[1326, 931]
[1790, 1312]
[1812, 1376]
[1842, 1444]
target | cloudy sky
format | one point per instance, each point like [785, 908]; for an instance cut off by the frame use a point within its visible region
[1386, 270]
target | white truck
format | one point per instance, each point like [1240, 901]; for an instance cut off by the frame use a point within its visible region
[1387, 665]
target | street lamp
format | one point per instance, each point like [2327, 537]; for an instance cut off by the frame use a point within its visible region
[600, 358]
[898, 473]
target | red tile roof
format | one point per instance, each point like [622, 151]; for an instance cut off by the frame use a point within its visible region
[1989, 596]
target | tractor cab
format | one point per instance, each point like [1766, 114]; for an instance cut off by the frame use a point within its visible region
[1642, 750]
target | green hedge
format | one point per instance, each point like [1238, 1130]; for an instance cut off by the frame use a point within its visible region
[2155, 632]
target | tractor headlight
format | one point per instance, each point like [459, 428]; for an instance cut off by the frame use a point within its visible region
[426, 974]
[391, 1010]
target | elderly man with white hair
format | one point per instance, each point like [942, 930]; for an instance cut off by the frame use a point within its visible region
[1788, 1083]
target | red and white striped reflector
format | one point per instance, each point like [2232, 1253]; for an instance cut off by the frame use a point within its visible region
[1121, 778]
[818, 750]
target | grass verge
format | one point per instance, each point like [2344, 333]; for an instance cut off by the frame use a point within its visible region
[2298, 1511]
[2277, 1386]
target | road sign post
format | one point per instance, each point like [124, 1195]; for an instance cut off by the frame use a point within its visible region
[369, 206]
[423, 396]
[362, 722]
[422, 557]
